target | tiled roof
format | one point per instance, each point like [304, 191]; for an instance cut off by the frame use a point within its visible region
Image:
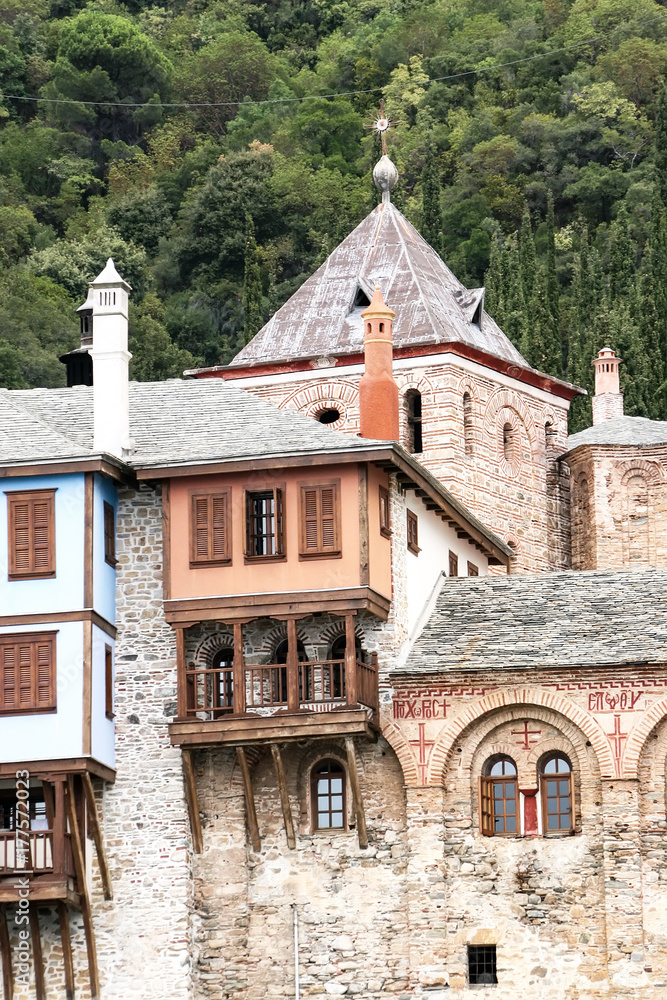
[548, 619]
[431, 305]
[31, 435]
[621, 431]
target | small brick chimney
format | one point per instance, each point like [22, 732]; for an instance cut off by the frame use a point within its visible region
[608, 398]
[378, 392]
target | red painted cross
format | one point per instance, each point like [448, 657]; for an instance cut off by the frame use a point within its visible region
[526, 741]
[423, 745]
[617, 738]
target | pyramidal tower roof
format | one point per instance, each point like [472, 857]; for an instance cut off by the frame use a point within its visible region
[322, 318]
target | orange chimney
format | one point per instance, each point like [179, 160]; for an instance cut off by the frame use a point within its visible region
[608, 398]
[378, 392]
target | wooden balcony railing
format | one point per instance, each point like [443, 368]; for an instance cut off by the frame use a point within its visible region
[40, 852]
[320, 685]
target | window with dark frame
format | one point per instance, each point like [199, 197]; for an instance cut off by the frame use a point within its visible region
[556, 795]
[472, 569]
[32, 534]
[482, 969]
[222, 681]
[499, 799]
[385, 523]
[413, 402]
[453, 564]
[109, 534]
[264, 523]
[36, 809]
[27, 673]
[413, 533]
[210, 536]
[328, 796]
[108, 682]
[319, 519]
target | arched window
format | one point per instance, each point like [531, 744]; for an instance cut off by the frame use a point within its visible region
[556, 794]
[509, 442]
[467, 423]
[328, 795]
[338, 649]
[222, 681]
[413, 405]
[499, 798]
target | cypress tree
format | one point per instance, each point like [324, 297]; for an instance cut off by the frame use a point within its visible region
[494, 282]
[555, 354]
[582, 335]
[527, 258]
[648, 358]
[658, 242]
[252, 284]
[661, 144]
[622, 259]
[431, 211]
[515, 307]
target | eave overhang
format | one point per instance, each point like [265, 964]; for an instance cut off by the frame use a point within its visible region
[107, 465]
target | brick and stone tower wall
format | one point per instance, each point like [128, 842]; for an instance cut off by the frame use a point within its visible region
[492, 440]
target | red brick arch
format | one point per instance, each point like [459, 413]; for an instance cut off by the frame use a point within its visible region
[525, 697]
[401, 748]
[639, 735]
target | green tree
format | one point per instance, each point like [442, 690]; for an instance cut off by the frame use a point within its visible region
[555, 359]
[661, 144]
[74, 263]
[431, 210]
[154, 356]
[252, 284]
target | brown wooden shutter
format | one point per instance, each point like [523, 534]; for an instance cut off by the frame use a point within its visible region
[209, 528]
[385, 525]
[320, 518]
[109, 534]
[28, 672]
[108, 682]
[486, 824]
[279, 507]
[453, 564]
[31, 534]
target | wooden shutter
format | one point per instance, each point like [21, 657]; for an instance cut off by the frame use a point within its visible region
[27, 663]
[413, 533]
[320, 518]
[31, 543]
[209, 528]
[486, 824]
[385, 525]
[109, 534]
[108, 682]
[453, 564]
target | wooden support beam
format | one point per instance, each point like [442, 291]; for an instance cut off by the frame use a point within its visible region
[192, 800]
[351, 692]
[96, 829]
[284, 797]
[293, 702]
[68, 962]
[251, 815]
[6, 952]
[356, 792]
[82, 888]
[181, 678]
[239, 670]
[59, 824]
[37, 958]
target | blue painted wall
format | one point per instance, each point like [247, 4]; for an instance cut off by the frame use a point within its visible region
[104, 575]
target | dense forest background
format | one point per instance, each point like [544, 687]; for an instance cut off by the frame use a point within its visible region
[532, 148]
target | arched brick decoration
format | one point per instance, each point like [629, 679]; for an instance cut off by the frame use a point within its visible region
[317, 396]
[639, 735]
[506, 399]
[528, 698]
[211, 644]
[401, 748]
[650, 471]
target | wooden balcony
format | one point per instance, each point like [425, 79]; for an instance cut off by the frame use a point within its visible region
[274, 702]
[45, 858]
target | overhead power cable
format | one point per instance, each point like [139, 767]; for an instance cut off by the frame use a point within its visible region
[324, 97]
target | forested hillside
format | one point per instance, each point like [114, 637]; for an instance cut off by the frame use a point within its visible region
[194, 143]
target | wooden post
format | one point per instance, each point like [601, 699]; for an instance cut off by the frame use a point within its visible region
[47, 790]
[193, 802]
[181, 677]
[350, 662]
[6, 952]
[239, 670]
[37, 959]
[293, 703]
[251, 814]
[84, 902]
[284, 797]
[356, 792]
[59, 822]
[63, 917]
[96, 829]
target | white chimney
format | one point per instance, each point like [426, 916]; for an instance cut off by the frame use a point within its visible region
[111, 359]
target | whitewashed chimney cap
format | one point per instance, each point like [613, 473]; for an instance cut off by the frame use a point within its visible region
[110, 276]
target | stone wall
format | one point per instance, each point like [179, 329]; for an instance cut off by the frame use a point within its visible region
[523, 498]
[619, 506]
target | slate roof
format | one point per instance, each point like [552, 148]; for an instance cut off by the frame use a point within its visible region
[542, 620]
[431, 305]
[621, 431]
[30, 435]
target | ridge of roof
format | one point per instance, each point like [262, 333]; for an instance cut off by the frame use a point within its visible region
[623, 430]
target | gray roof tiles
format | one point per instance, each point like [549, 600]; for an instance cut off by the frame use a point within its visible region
[622, 431]
[431, 305]
[548, 619]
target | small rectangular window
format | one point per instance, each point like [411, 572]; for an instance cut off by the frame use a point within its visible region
[27, 673]
[453, 564]
[319, 519]
[472, 569]
[109, 534]
[210, 538]
[108, 682]
[32, 534]
[413, 533]
[264, 522]
[482, 965]
[385, 524]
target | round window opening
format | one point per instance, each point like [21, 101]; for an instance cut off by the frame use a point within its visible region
[329, 416]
